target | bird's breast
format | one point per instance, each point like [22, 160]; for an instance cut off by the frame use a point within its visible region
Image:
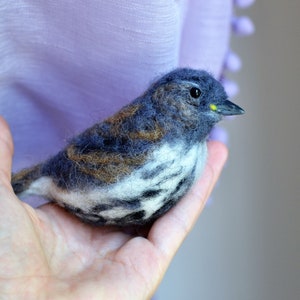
[143, 195]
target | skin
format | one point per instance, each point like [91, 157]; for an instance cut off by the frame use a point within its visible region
[46, 253]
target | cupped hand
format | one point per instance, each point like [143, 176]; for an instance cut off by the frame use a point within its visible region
[46, 253]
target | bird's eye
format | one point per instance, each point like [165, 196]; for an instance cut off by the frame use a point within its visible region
[195, 92]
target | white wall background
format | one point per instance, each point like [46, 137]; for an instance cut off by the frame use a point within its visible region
[246, 245]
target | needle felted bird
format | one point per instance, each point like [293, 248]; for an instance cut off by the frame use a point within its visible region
[134, 166]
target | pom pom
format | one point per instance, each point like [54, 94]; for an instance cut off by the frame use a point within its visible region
[233, 62]
[243, 25]
[231, 88]
[243, 3]
[219, 134]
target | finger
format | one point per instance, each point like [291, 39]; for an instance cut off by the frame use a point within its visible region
[169, 231]
[9, 204]
[11, 208]
[6, 152]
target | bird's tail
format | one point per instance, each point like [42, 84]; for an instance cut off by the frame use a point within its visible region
[21, 181]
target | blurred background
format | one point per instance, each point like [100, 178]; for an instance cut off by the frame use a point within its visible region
[246, 244]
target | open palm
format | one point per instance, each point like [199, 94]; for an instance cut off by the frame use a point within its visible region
[48, 253]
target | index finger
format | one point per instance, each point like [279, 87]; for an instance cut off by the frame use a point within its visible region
[169, 231]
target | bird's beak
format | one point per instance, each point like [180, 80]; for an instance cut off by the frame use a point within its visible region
[227, 109]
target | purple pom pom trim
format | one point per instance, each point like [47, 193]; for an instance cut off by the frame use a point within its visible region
[243, 26]
[233, 62]
[243, 3]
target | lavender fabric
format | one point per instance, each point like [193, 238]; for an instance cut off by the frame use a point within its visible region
[65, 65]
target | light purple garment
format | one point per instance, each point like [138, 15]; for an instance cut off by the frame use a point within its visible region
[65, 65]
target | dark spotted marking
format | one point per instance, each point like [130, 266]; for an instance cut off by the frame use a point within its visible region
[131, 203]
[74, 210]
[90, 218]
[148, 174]
[101, 207]
[184, 184]
[131, 218]
[174, 197]
[168, 205]
[93, 219]
[186, 181]
[151, 193]
[171, 176]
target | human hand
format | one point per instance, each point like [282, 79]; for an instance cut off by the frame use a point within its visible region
[48, 253]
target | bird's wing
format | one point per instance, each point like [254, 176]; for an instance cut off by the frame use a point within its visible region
[114, 148]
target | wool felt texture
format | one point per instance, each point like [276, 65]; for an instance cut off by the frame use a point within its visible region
[66, 65]
[137, 164]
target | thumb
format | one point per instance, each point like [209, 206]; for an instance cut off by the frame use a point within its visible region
[6, 153]
[12, 209]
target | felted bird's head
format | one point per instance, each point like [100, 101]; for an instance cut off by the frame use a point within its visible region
[195, 97]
